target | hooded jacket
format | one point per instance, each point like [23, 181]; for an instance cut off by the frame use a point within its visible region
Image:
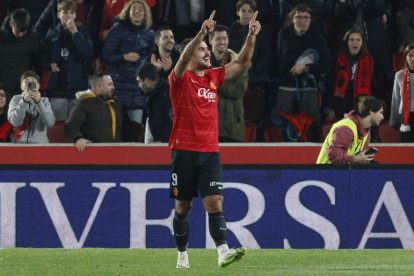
[41, 118]
[91, 118]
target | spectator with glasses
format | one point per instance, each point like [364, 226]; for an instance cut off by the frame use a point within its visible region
[303, 58]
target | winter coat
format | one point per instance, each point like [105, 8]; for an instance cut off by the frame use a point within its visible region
[91, 118]
[291, 46]
[259, 71]
[160, 111]
[17, 55]
[230, 104]
[93, 8]
[80, 53]
[123, 38]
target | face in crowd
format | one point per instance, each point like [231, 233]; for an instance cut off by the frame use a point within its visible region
[354, 43]
[25, 84]
[220, 42]
[106, 87]
[65, 16]
[16, 31]
[166, 40]
[245, 13]
[377, 117]
[410, 59]
[2, 99]
[301, 22]
[137, 13]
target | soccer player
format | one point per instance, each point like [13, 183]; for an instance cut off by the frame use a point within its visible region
[196, 166]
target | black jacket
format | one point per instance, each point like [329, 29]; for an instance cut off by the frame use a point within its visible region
[159, 111]
[291, 46]
[48, 19]
[17, 55]
[259, 72]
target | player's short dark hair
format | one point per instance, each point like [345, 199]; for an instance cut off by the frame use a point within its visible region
[20, 19]
[148, 71]
[365, 104]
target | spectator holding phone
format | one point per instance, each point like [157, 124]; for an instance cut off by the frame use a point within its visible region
[30, 113]
[348, 140]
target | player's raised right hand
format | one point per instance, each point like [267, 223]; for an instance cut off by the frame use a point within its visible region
[209, 24]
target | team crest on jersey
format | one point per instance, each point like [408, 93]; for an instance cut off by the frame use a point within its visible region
[213, 86]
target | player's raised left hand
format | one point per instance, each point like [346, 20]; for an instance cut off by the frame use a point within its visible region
[254, 25]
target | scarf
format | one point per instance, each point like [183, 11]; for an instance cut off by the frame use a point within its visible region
[5, 130]
[405, 97]
[362, 76]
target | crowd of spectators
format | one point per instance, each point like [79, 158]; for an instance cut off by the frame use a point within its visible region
[312, 58]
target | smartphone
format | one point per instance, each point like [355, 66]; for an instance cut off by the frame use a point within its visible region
[31, 86]
[371, 151]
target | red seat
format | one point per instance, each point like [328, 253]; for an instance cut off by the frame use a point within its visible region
[56, 133]
[388, 134]
[249, 132]
[273, 133]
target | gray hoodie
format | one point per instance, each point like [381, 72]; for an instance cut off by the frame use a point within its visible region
[41, 118]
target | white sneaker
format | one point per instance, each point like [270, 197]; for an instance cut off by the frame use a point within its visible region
[231, 256]
[182, 260]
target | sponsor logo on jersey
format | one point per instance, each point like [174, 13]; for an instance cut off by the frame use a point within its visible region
[206, 94]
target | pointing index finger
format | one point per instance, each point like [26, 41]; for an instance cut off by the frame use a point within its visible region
[212, 15]
[254, 16]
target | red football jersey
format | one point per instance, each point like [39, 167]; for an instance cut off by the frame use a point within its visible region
[194, 101]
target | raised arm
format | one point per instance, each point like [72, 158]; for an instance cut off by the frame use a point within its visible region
[246, 53]
[182, 64]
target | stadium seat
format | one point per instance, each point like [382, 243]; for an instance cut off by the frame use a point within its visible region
[254, 103]
[273, 133]
[249, 132]
[388, 134]
[56, 133]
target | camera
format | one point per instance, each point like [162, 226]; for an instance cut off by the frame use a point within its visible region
[31, 86]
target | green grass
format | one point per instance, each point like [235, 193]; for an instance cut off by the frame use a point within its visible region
[204, 262]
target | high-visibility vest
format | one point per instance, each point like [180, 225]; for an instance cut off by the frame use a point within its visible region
[357, 144]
